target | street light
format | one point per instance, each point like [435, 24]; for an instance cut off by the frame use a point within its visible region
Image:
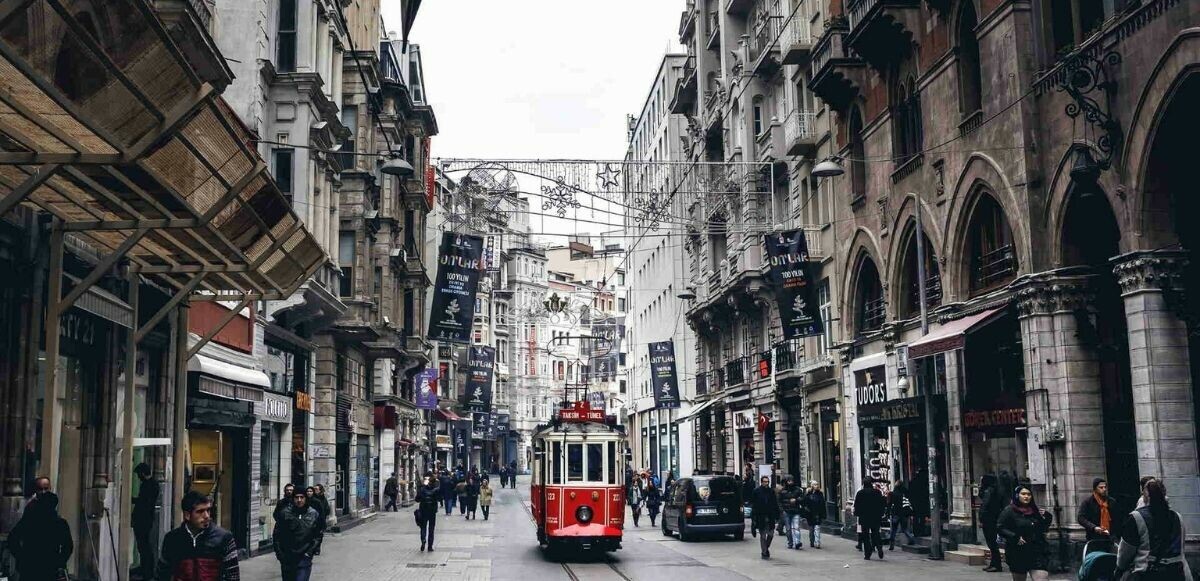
[829, 167]
[397, 166]
[688, 293]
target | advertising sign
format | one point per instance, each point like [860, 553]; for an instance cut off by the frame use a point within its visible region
[662, 375]
[870, 385]
[460, 261]
[426, 384]
[790, 276]
[461, 434]
[502, 424]
[481, 364]
[479, 425]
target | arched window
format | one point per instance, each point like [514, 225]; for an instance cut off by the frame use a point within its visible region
[906, 118]
[858, 154]
[869, 306]
[910, 302]
[992, 257]
[969, 81]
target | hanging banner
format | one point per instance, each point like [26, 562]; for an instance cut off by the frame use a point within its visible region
[426, 384]
[461, 433]
[479, 425]
[481, 362]
[787, 253]
[502, 424]
[460, 261]
[662, 375]
[493, 426]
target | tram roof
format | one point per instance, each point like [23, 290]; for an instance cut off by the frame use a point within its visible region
[579, 429]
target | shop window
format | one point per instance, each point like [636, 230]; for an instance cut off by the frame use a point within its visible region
[969, 76]
[869, 305]
[858, 154]
[993, 259]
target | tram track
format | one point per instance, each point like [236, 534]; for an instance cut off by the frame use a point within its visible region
[567, 568]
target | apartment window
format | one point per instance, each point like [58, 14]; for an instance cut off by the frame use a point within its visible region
[283, 170]
[825, 341]
[758, 116]
[858, 153]
[993, 260]
[906, 119]
[286, 39]
[969, 79]
[346, 262]
[377, 291]
[414, 80]
[350, 120]
[869, 307]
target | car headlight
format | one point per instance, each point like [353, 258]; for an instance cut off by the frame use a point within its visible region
[583, 514]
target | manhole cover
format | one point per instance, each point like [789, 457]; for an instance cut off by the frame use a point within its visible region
[423, 565]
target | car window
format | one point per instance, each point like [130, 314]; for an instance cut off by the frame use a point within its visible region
[714, 489]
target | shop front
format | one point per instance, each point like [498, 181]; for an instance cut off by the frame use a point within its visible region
[743, 430]
[829, 448]
[219, 451]
[275, 460]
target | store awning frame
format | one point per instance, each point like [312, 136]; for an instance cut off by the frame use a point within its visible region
[695, 411]
[449, 415]
[952, 335]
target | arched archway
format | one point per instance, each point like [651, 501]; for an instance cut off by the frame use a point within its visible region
[869, 306]
[907, 290]
[990, 250]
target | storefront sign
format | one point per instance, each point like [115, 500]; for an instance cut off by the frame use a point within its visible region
[481, 364]
[442, 441]
[321, 451]
[892, 413]
[479, 425]
[461, 432]
[662, 375]
[460, 262]
[426, 384]
[827, 407]
[582, 412]
[492, 426]
[879, 464]
[871, 385]
[276, 408]
[743, 420]
[989, 419]
[502, 424]
[790, 277]
[304, 402]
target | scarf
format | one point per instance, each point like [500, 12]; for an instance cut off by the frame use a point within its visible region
[1105, 517]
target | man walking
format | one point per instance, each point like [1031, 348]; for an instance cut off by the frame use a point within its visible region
[817, 511]
[391, 489]
[142, 518]
[791, 500]
[899, 509]
[1094, 514]
[297, 539]
[448, 494]
[869, 508]
[198, 550]
[764, 511]
[991, 504]
[427, 509]
[41, 540]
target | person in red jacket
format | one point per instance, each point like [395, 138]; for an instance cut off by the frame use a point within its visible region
[198, 550]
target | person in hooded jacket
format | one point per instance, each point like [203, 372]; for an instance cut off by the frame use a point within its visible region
[792, 501]
[297, 539]
[653, 501]
[869, 507]
[764, 512]
[1024, 527]
[41, 540]
[991, 504]
[428, 499]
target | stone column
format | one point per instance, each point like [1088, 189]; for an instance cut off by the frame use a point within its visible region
[1152, 287]
[324, 416]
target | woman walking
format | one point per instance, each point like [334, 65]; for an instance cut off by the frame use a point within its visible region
[1024, 527]
[635, 498]
[429, 497]
[653, 501]
[1152, 541]
[485, 497]
[472, 496]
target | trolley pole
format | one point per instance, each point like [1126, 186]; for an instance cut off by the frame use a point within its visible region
[935, 511]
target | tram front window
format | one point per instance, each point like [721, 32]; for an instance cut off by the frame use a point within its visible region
[556, 464]
[595, 462]
[574, 462]
[612, 462]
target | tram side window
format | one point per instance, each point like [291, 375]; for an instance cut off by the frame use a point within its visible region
[595, 462]
[612, 462]
[556, 464]
[574, 462]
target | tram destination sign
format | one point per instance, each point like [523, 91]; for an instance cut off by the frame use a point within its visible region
[581, 412]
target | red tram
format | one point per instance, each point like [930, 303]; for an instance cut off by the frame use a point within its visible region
[578, 492]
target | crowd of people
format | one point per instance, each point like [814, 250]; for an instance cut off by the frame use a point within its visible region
[470, 490]
[784, 508]
[643, 489]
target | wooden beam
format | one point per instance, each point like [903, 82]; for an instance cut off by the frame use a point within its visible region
[102, 268]
[130, 225]
[171, 304]
[31, 183]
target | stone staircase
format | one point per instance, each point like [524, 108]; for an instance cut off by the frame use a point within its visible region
[974, 555]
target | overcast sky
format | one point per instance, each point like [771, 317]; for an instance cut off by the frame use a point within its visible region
[538, 78]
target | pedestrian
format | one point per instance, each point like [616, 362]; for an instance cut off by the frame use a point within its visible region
[446, 485]
[869, 507]
[748, 492]
[512, 473]
[1094, 514]
[324, 509]
[764, 512]
[297, 539]
[653, 501]
[1024, 527]
[460, 491]
[635, 497]
[485, 497]
[427, 508]
[991, 504]
[198, 550]
[503, 477]
[41, 540]
[899, 510]
[391, 489]
[314, 502]
[817, 512]
[142, 519]
[284, 501]
[791, 501]
[472, 497]
[1151, 547]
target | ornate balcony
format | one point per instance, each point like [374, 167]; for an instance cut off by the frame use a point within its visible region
[764, 43]
[714, 31]
[687, 22]
[683, 101]
[797, 42]
[800, 133]
[837, 73]
[882, 30]
[738, 7]
[789, 359]
[769, 145]
[735, 373]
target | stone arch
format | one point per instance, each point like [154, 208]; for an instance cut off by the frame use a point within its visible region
[980, 173]
[1060, 190]
[1179, 62]
[903, 227]
[862, 244]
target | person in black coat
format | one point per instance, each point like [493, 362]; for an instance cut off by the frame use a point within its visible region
[764, 513]
[446, 484]
[472, 496]
[818, 512]
[144, 510]
[41, 540]
[653, 501]
[899, 509]
[1024, 527]
[869, 507]
[428, 499]
[318, 504]
[1096, 512]
[297, 539]
[991, 504]
[284, 501]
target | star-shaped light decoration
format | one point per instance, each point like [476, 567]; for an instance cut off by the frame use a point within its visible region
[607, 177]
[560, 197]
[651, 209]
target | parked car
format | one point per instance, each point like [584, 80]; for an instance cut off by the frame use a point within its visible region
[704, 505]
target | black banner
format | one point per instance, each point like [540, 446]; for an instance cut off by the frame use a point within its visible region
[481, 363]
[479, 425]
[493, 426]
[787, 253]
[460, 260]
[461, 438]
[502, 424]
[662, 375]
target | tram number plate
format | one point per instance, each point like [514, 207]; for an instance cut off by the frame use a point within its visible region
[706, 511]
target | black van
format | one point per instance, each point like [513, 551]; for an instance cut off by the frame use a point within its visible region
[704, 504]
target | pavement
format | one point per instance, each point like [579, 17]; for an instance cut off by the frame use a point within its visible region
[505, 548]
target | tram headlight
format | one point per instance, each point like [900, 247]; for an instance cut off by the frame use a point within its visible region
[583, 514]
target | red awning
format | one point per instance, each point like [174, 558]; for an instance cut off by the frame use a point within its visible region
[403, 443]
[448, 415]
[952, 335]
